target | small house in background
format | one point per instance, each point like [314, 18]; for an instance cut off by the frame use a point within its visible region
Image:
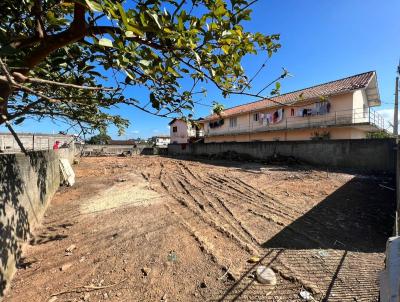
[161, 140]
[183, 132]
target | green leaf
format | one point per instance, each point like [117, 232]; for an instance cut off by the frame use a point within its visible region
[105, 42]
[123, 14]
[155, 17]
[94, 6]
[144, 62]
[198, 59]
[225, 49]
[180, 24]
[171, 70]
[129, 34]
[220, 11]
[133, 31]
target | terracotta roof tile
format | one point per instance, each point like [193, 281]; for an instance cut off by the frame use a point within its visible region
[331, 88]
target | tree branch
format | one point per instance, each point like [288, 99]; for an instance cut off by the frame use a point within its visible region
[99, 30]
[76, 31]
[37, 10]
[22, 79]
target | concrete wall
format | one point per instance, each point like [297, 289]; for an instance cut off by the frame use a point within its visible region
[27, 184]
[67, 153]
[363, 154]
[32, 141]
[98, 150]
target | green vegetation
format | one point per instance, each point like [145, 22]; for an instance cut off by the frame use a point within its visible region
[56, 55]
[99, 139]
[379, 134]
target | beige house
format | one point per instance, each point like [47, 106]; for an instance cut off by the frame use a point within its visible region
[161, 140]
[339, 109]
[183, 132]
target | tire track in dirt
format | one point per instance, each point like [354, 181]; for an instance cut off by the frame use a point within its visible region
[220, 203]
[234, 200]
[204, 229]
[219, 218]
[220, 208]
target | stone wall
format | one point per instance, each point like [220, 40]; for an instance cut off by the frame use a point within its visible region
[360, 154]
[27, 184]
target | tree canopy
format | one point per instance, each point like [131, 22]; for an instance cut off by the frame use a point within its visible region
[99, 139]
[72, 60]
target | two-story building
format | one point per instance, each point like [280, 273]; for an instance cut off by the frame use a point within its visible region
[183, 132]
[340, 109]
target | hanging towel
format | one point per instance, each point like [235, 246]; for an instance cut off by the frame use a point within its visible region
[279, 116]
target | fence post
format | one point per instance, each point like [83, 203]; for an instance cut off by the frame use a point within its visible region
[369, 115]
[33, 142]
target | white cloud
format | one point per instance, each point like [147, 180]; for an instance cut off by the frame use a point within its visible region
[387, 114]
[135, 131]
[156, 130]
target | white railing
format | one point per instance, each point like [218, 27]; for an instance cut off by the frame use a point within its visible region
[361, 116]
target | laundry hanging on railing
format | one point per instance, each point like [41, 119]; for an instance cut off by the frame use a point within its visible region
[319, 108]
[322, 107]
[272, 118]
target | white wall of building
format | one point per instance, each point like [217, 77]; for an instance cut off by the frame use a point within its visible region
[179, 132]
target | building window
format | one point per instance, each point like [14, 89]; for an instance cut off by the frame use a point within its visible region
[175, 129]
[256, 117]
[233, 122]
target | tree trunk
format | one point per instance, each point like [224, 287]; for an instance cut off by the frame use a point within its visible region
[74, 33]
[5, 92]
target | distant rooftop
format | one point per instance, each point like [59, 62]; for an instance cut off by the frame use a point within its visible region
[129, 142]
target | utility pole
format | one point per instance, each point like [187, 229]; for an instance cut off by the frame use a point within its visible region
[396, 104]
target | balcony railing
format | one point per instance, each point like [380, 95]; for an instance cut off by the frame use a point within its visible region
[361, 116]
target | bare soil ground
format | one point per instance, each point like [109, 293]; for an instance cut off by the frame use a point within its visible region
[150, 228]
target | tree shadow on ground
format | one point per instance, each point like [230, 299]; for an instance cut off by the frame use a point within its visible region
[15, 226]
[357, 217]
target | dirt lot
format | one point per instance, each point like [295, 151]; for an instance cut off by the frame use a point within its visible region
[157, 229]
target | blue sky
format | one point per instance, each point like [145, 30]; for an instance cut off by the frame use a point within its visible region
[321, 41]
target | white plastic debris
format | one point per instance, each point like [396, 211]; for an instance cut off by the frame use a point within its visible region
[323, 253]
[265, 275]
[67, 174]
[305, 295]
